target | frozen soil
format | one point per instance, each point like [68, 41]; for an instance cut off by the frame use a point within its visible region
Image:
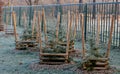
[26, 62]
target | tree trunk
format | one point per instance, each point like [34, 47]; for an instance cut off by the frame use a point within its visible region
[94, 9]
[116, 10]
[57, 8]
[80, 6]
[29, 2]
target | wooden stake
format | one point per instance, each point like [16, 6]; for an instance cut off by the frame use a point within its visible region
[110, 37]
[37, 34]
[76, 23]
[98, 30]
[82, 29]
[14, 22]
[71, 21]
[57, 27]
[45, 28]
[33, 25]
[67, 35]
[39, 31]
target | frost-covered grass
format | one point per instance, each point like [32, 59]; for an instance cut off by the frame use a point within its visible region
[17, 62]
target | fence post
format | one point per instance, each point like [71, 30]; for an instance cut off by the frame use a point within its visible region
[30, 16]
[85, 21]
[20, 16]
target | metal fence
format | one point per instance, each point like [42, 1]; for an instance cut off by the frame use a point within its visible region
[89, 10]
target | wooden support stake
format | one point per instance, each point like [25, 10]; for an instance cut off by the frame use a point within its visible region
[33, 25]
[14, 22]
[39, 31]
[67, 35]
[82, 29]
[37, 28]
[76, 23]
[57, 27]
[71, 22]
[98, 30]
[45, 28]
[110, 37]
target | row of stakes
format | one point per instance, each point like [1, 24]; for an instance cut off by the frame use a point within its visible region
[58, 58]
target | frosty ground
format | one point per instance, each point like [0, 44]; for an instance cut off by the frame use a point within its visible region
[18, 62]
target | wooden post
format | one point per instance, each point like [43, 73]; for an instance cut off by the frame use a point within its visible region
[98, 30]
[45, 28]
[39, 31]
[110, 37]
[76, 23]
[71, 22]
[67, 35]
[82, 29]
[14, 22]
[57, 27]
[33, 25]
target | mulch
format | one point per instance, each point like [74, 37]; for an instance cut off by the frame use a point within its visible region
[64, 67]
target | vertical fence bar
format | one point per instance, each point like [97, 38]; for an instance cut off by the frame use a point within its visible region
[30, 16]
[85, 21]
[117, 33]
[20, 16]
[114, 32]
[5, 14]
[94, 20]
[118, 27]
[104, 22]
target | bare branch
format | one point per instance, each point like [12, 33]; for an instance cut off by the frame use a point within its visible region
[36, 2]
[27, 2]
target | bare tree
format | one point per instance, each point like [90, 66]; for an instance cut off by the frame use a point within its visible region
[116, 9]
[80, 6]
[36, 2]
[94, 9]
[31, 10]
[29, 2]
[32, 2]
[58, 9]
[80, 1]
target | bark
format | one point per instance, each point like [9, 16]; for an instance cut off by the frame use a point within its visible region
[116, 10]
[94, 9]
[30, 2]
[80, 6]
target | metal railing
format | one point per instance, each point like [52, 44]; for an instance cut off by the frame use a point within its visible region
[89, 10]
